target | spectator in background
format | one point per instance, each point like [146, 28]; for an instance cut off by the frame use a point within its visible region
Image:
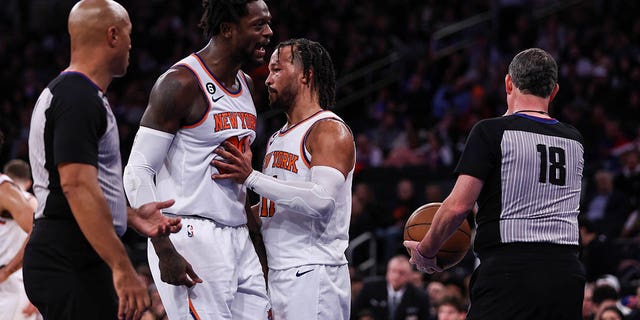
[436, 292]
[451, 308]
[438, 154]
[611, 313]
[417, 279]
[604, 296]
[433, 193]
[399, 210]
[372, 206]
[605, 206]
[627, 180]
[393, 298]
[599, 254]
[368, 154]
[386, 132]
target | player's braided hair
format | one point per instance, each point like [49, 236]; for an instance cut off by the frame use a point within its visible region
[315, 57]
[534, 71]
[218, 11]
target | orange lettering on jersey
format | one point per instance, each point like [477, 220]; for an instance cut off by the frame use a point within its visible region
[248, 121]
[233, 120]
[222, 122]
[229, 120]
[285, 160]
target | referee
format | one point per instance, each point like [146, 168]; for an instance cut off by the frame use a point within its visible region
[75, 266]
[524, 169]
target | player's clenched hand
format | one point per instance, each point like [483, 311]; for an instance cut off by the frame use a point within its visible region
[424, 264]
[133, 298]
[149, 220]
[236, 164]
[176, 270]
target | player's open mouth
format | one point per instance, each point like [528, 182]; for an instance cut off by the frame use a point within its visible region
[261, 52]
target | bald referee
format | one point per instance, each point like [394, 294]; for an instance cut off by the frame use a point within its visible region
[524, 170]
[75, 266]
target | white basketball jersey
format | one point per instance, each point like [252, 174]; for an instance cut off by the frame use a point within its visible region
[292, 239]
[11, 235]
[186, 173]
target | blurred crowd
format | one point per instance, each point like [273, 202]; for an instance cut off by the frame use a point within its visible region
[414, 77]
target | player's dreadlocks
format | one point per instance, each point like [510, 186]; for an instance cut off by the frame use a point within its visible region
[315, 57]
[218, 11]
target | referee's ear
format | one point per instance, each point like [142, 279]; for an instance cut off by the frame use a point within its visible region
[555, 90]
[508, 84]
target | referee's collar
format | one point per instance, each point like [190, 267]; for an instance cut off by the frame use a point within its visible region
[538, 119]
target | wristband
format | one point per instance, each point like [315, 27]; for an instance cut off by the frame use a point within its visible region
[423, 256]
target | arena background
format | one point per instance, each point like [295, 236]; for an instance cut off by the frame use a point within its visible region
[413, 78]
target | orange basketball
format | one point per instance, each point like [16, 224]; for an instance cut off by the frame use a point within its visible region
[453, 250]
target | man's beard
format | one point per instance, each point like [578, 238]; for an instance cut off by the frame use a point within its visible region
[283, 100]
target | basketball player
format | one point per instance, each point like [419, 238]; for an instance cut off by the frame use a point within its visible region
[16, 216]
[200, 102]
[524, 170]
[305, 187]
[75, 266]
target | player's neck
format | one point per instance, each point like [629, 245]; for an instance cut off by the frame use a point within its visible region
[301, 112]
[222, 62]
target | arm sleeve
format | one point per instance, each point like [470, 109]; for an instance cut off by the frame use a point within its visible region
[315, 198]
[150, 147]
[80, 121]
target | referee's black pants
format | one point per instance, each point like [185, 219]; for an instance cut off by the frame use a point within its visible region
[64, 277]
[528, 281]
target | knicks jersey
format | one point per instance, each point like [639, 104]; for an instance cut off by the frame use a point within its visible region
[186, 173]
[293, 239]
[11, 235]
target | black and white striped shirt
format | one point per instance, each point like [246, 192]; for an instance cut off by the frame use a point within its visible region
[73, 123]
[532, 171]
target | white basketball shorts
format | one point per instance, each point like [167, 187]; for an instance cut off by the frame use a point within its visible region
[310, 292]
[223, 257]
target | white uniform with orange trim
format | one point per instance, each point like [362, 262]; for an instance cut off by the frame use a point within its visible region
[308, 273]
[214, 237]
[13, 297]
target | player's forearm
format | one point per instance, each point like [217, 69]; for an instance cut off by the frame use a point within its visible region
[315, 198]
[13, 201]
[163, 246]
[254, 225]
[16, 262]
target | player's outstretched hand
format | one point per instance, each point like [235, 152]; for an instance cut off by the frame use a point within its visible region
[424, 264]
[176, 270]
[148, 220]
[236, 164]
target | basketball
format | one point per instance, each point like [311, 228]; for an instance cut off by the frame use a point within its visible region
[453, 250]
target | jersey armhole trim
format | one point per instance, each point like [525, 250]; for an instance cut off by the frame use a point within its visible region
[202, 90]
